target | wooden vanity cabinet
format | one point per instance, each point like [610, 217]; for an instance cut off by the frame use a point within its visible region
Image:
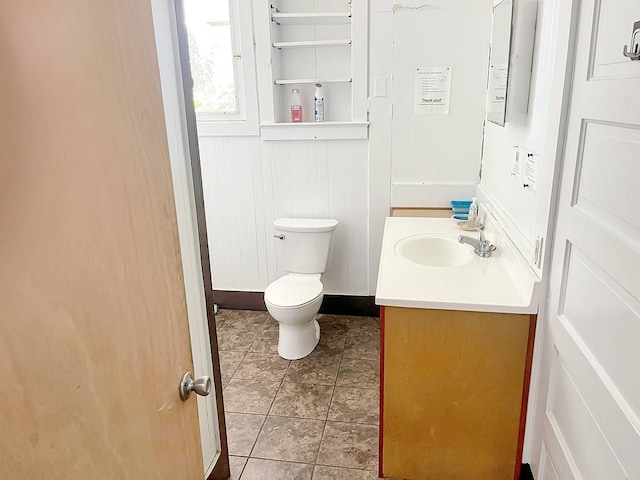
[454, 388]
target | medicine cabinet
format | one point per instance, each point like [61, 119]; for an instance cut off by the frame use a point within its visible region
[303, 42]
[512, 41]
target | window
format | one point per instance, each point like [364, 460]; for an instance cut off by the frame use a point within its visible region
[221, 58]
[211, 55]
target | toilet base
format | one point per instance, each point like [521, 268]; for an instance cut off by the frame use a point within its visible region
[297, 340]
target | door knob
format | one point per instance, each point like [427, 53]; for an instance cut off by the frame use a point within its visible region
[200, 385]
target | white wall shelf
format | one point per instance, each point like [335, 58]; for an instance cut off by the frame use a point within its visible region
[313, 43]
[311, 18]
[311, 80]
[291, 54]
[314, 131]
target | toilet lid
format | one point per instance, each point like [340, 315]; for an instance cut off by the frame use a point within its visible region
[293, 291]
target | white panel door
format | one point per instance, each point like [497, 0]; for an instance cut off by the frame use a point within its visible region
[592, 428]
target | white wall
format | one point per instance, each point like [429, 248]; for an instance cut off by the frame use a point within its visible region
[525, 212]
[248, 183]
[437, 157]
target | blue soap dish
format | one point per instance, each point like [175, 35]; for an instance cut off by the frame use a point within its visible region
[459, 207]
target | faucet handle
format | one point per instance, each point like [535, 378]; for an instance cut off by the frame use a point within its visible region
[484, 244]
[481, 237]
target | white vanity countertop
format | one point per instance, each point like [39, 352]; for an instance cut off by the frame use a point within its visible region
[502, 283]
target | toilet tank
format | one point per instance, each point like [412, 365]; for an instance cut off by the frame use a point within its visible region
[306, 243]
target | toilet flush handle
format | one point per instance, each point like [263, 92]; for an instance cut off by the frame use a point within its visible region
[280, 237]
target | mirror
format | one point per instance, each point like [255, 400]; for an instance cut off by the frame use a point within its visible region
[512, 42]
[499, 62]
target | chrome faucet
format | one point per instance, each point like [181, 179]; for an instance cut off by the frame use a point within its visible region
[482, 247]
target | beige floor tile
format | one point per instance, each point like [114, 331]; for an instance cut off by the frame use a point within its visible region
[258, 469]
[229, 362]
[334, 323]
[242, 431]
[364, 345]
[359, 373]
[316, 368]
[289, 439]
[355, 405]
[363, 324]
[271, 325]
[223, 313]
[262, 366]
[244, 318]
[285, 448]
[333, 338]
[302, 400]
[265, 342]
[234, 339]
[337, 473]
[331, 343]
[349, 445]
[236, 464]
[250, 396]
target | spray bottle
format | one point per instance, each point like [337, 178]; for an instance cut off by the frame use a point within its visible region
[319, 103]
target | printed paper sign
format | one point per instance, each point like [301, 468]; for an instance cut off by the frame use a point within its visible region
[497, 96]
[432, 91]
[516, 172]
[531, 170]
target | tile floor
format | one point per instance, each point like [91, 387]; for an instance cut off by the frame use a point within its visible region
[315, 418]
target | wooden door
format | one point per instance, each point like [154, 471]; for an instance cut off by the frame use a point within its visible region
[592, 418]
[93, 324]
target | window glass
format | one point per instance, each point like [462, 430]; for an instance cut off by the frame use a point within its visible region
[211, 56]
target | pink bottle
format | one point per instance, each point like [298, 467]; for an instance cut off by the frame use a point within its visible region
[296, 106]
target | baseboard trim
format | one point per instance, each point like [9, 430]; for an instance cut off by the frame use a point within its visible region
[359, 306]
[525, 472]
[235, 300]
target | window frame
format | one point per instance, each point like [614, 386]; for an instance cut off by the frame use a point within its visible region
[245, 120]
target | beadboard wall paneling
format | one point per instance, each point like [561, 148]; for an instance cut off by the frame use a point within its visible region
[248, 183]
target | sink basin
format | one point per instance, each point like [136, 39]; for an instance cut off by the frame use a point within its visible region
[434, 251]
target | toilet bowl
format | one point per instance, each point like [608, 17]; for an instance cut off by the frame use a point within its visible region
[294, 299]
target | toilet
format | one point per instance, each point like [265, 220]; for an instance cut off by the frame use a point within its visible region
[302, 250]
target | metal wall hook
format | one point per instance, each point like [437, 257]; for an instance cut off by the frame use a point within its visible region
[280, 237]
[634, 52]
[632, 55]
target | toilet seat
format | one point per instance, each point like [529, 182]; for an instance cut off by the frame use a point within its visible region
[294, 290]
